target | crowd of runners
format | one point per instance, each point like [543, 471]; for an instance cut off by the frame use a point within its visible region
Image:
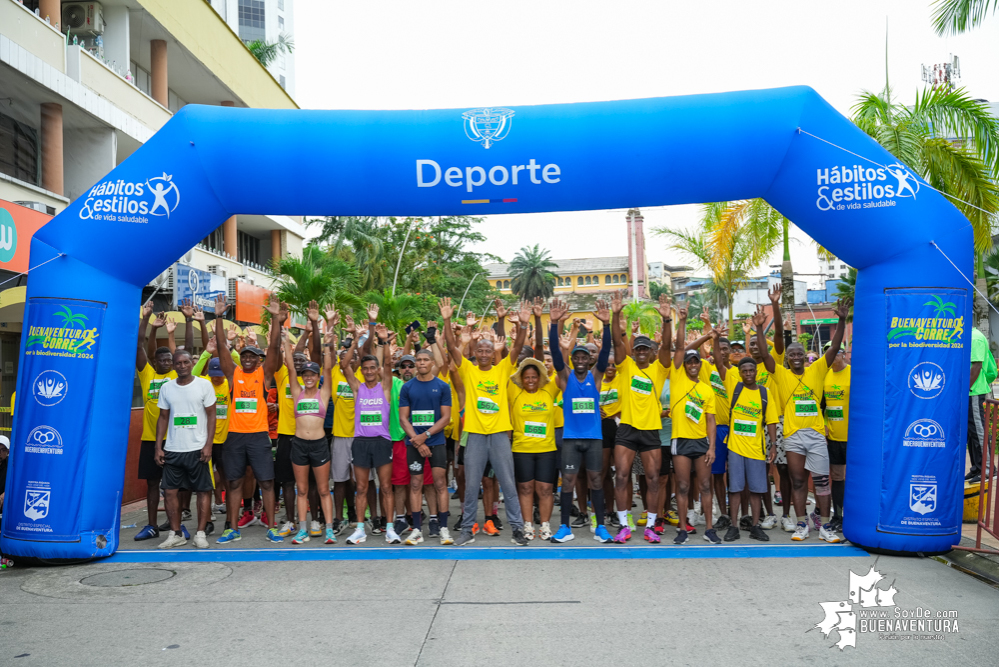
[375, 432]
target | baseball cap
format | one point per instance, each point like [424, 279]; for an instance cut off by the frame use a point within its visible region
[738, 343]
[691, 354]
[215, 369]
[255, 350]
[580, 348]
[310, 367]
[640, 341]
[407, 357]
[4, 441]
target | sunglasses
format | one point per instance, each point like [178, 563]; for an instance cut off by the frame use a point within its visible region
[407, 365]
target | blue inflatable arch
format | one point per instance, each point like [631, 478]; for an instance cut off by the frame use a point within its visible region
[910, 350]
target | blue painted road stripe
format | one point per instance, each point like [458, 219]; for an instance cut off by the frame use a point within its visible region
[484, 553]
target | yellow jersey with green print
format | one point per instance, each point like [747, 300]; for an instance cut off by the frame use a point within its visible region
[801, 396]
[837, 394]
[746, 437]
[690, 403]
[640, 392]
[533, 418]
[710, 376]
[343, 403]
[486, 404]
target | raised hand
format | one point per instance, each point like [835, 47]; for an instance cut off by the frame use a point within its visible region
[381, 331]
[470, 319]
[774, 293]
[787, 324]
[538, 307]
[186, 309]
[211, 346]
[681, 313]
[307, 327]
[617, 305]
[842, 308]
[602, 313]
[348, 324]
[557, 310]
[283, 313]
[231, 334]
[199, 314]
[664, 307]
[372, 312]
[721, 331]
[634, 327]
[759, 319]
[332, 318]
[221, 305]
[525, 312]
[476, 335]
[658, 337]
[431, 324]
[313, 311]
[160, 320]
[514, 317]
[273, 306]
[251, 337]
[147, 309]
[444, 305]
[706, 318]
[171, 326]
[745, 325]
[500, 309]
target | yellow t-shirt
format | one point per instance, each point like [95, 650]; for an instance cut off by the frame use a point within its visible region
[533, 417]
[286, 405]
[559, 414]
[221, 411]
[764, 378]
[800, 397]
[837, 391]
[151, 381]
[449, 430]
[610, 396]
[343, 404]
[690, 402]
[487, 410]
[710, 376]
[640, 390]
[747, 435]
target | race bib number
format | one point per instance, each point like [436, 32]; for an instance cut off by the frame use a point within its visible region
[343, 390]
[154, 388]
[221, 411]
[486, 406]
[806, 408]
[185, 421]
[641, 385]
[608, 397]
[287, 391]
[744, 427]
[422, 417]
[693, 412]
[371, 417]
[834, 413]
[535, 429]
[245, 405]
[307, 406]
[583, 406]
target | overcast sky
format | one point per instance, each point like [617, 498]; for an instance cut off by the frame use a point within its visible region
[443, 54]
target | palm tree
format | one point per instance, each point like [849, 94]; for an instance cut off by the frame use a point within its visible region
[655, 289]
[645, 313]
[396, 311]
[266, 52]
[846, 288]
[316, 276]
[357, 240]
[952, 17]
[531, 274]
[966, 168]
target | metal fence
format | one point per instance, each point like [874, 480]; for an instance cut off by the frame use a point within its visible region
[988, 499]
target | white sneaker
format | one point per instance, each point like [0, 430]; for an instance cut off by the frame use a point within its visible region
[692, 517]
[829, 535]
[415, 537]
[315, 530]
[219, 508]
[446, 536]
[786, 524]
[698, 520]
[546, 531]
[200, 540]
[358, 536]
[769, 522]
[286, 529]
[801, 532]
[173, 540]
[529, 530]
[391, 536]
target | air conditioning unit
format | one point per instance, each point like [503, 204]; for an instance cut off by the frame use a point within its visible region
[164, 281]
[232, 290]
[217, 270]
[37, 206]
[188, 257]
[83, 18]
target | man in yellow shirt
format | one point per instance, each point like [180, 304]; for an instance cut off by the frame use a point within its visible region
[151, 378]
[711, 375]
[800, 390]
[642, 380]
[837, 413]
[487, 422]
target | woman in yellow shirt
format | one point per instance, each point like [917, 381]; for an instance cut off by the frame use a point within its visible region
[532, 413]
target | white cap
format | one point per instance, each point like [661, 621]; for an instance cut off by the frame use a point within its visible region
[5, 441]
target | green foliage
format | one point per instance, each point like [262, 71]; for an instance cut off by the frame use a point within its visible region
[530, 273]
[645, 313]
[395, 311]
[316, 276]
[655, 289]
[267, 52]
[846, 289]
[952, 17]
[805, 339]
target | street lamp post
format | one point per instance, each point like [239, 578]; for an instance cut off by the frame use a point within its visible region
[466, 290]
[398, 263]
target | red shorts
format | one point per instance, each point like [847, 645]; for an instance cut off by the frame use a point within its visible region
[400, 470]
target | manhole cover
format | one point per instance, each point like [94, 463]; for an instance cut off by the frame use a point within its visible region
[136, 577]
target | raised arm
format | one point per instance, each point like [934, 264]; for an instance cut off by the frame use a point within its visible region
[602, 313]
[555, 313]
[289, 363]
[199, 317]
[759, 318]
[518, 342]
[316, 351]
[620, 352]
[539, 331]
[667, 338]
[141, 358]
[501, 312]
[775, 293]
[842, 310]
[681, 336]
[226, 361]
[279, 313]
[345, 368]
[453, 349]
[187, 310]
[171, 326]
[303, 340]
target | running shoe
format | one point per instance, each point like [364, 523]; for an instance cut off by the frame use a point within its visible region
[816, 521]
[173, 540]
[457, 524]
[272, 535]
[537, 516]
[315, 529]
[391, 537]
[614, 523]
[446, 536]
[681, 537]
[209, 527]
[631, 522]
[837, 523]
[828, 534]
[757, 533]
[218, 508]
[147, 533]
[489, 528]
[264, 520]
[400, 526]
[475, 528]
[778, 500]
[769, 522]
[496, 519]
[287, 529]
[228, 535]
[563, 534]
[377, 527]
[786, 524]
[801, 533]
[732, 534]
[546, 531]
[338, 526]
[164, 527]
[415, 537]
[651, 536]
[301, 537]
[745, 523]
[330, 536]
[711, 536]
[434, 528]
[257, 504]
[593, 523]
[601, 535]
[185, 515]
[581, 521]
[518, 537]
[358, 536]
[623, 535]
[200, 540]
[722, 522]
[690, 529]
[643, 519]
[660, 525]
[463, 539]
[248, 519]
[529, 530]
[672, 519]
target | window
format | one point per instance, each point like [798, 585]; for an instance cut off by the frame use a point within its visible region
[624, 278]
[607, 280]
[842, 266]
[215, 240]
[616, 279]
[251, 20]
[499, 284]
[19, 151]
[282, 80]
[842, 275]
[249, 248]
[832, 266]
[281, 5]
[596, 280]
[587, 280]
[281, 23]
[506, 284]
[558, 282]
